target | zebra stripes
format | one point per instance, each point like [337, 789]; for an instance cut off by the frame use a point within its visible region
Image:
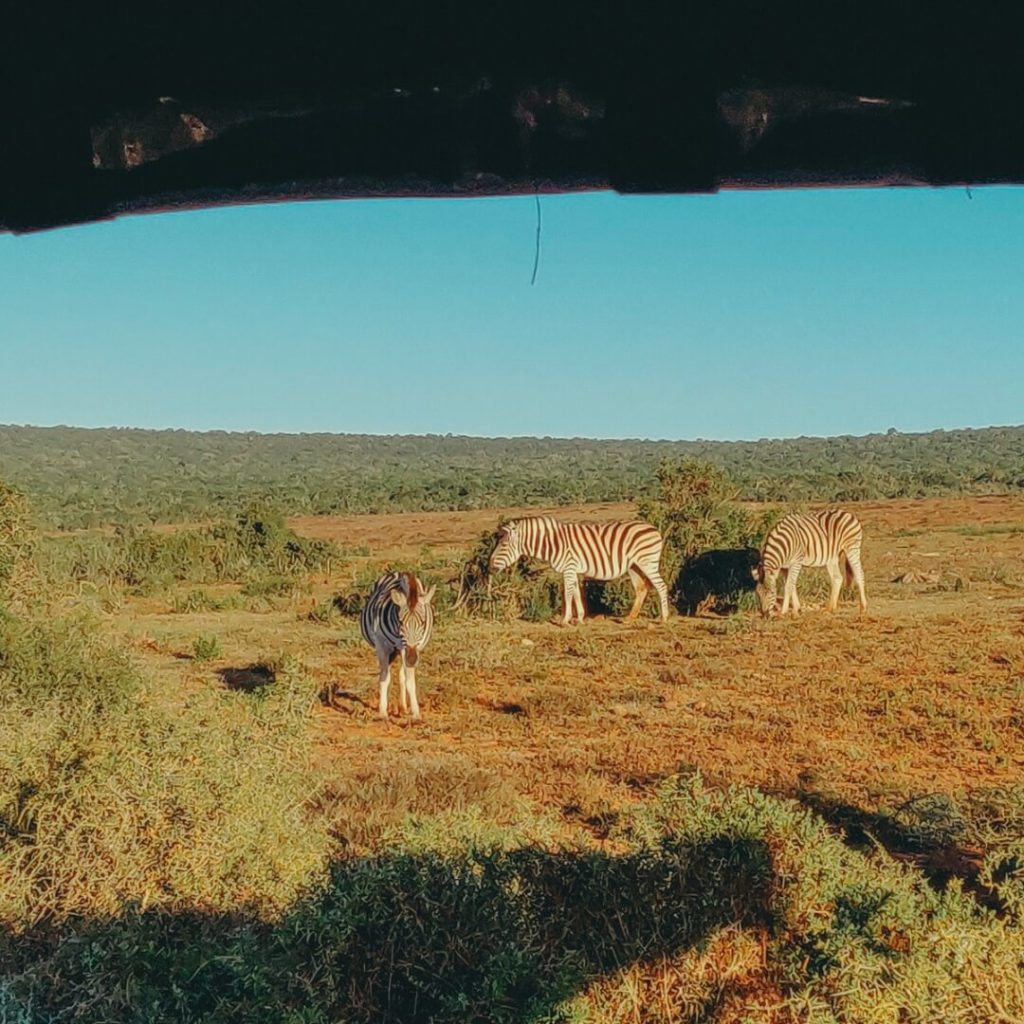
[601, 551]
[831, 538]
[397, 619]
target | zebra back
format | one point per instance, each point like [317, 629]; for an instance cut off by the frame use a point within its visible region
[398, 614]
[811, 540]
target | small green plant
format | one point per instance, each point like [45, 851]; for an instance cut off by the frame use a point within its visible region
[206, 647]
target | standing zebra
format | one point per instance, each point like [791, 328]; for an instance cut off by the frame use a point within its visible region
[602, 551]
[831, 538]
[398, 619]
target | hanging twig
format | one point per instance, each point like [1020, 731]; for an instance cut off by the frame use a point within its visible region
[536, 253]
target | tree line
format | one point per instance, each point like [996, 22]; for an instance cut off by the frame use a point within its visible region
[77, 477]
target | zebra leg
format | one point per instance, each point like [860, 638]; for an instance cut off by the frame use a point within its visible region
[642, 588]
[653, 574]
[789, 594]
[409, 675]
[659, 585]
[853, 557]
[384, 662]
[571, 582]
[579, 608]
[791, 578]
[403, 700]
[836, 576]
[785, 591]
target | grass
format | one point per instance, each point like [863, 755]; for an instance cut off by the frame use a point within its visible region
[721, 819]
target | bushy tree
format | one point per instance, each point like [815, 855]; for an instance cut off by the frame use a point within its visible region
[710, 539]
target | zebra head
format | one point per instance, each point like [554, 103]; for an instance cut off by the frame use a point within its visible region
[415, 614]
[765, 589]
[510, 547]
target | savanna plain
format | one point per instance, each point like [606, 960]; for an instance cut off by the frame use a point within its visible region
[721, 818]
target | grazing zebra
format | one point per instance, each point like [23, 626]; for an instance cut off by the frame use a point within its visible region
[601, 551]
[398, 619]
[831, 538]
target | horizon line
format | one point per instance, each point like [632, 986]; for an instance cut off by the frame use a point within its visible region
[891, 431]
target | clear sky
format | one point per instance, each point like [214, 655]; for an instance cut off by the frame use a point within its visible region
[739, 315]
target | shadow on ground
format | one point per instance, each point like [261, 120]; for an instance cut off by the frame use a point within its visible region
[940, 858]
[715, 580]
[495, 937]
[248, 679]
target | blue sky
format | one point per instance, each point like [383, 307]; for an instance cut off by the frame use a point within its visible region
[739, 315]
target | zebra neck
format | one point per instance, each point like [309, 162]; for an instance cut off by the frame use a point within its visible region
[545, 542]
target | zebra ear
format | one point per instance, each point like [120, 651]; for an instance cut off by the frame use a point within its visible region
[428, 595]
[399, 598]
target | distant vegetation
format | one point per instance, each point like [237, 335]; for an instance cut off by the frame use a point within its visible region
[79, 478]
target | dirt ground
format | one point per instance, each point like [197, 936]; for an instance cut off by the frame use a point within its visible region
[923, 694]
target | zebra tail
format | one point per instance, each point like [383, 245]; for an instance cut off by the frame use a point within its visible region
[847, 570]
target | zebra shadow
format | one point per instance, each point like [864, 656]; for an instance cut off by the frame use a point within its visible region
[714, 580]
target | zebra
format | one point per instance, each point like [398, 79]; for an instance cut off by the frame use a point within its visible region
[398, 619]
[602, 551]
[831, 538]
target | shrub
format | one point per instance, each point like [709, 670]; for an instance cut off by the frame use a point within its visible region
[254, 547]
[196, 600]
[110, 796]
[205, 648]
[710, 540]
[523, 591]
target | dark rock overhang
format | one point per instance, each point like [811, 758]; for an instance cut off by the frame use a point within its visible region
[118, 108]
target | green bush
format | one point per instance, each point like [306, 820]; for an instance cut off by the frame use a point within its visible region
[196, 600]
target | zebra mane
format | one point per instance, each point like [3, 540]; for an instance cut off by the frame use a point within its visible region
[410, 587]
[538, 519]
